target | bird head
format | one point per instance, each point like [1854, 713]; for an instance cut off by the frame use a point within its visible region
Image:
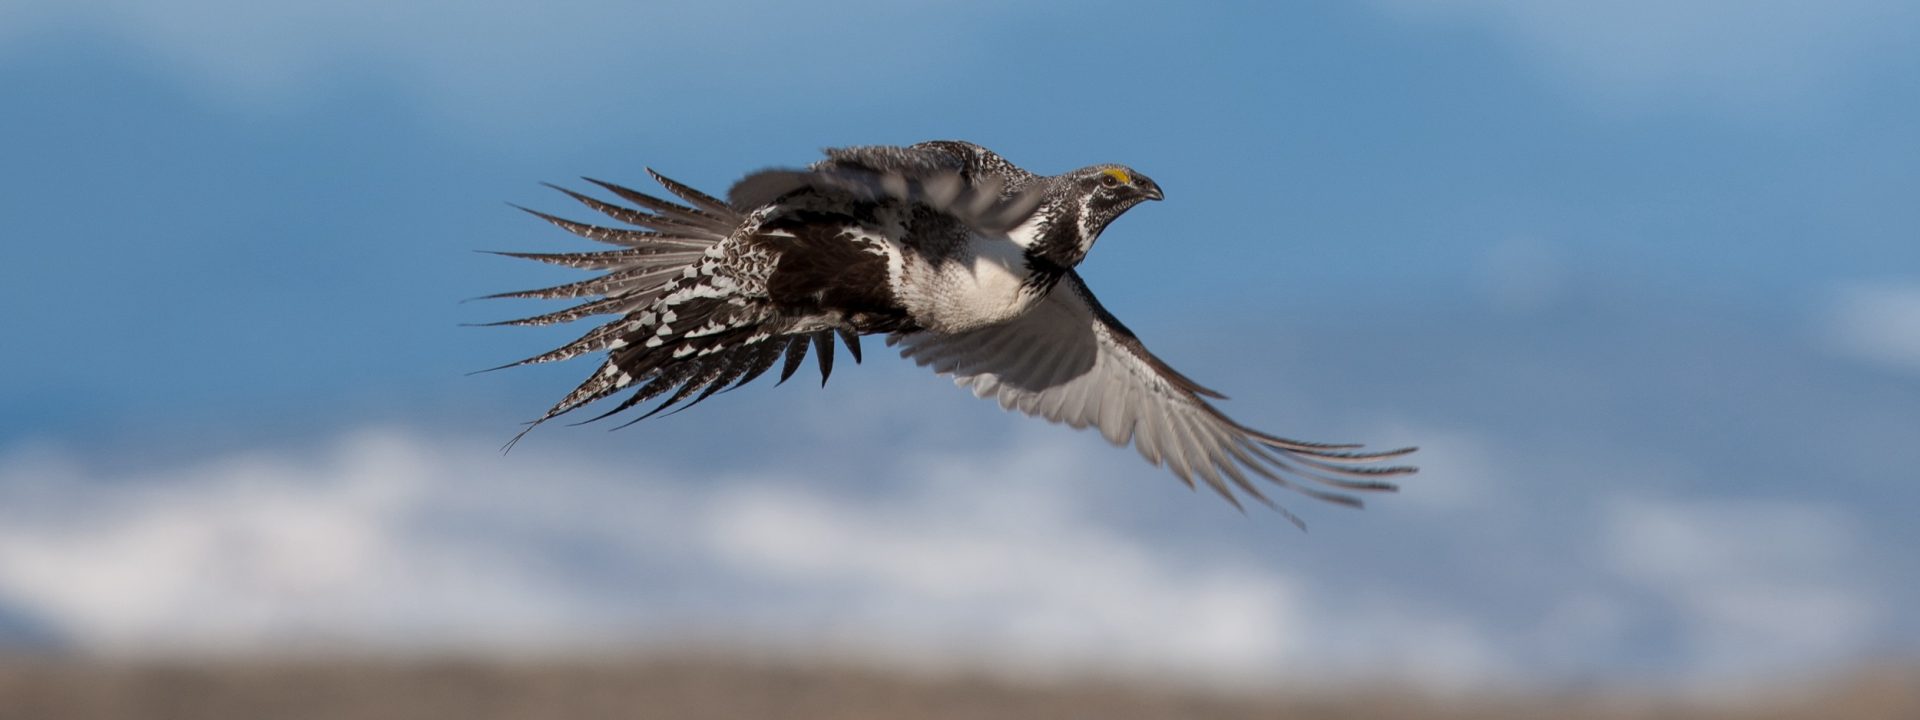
[1113, 188]
[1095, 196]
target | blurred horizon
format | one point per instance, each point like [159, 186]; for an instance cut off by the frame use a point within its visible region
[1642, 280]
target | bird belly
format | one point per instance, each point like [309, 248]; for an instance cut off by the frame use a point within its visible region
[985, 286]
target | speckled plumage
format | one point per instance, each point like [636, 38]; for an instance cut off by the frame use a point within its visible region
[964, 260]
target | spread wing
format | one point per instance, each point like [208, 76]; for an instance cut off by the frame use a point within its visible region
[1070, 361]
[984, 204]
[927, 158]
[858, 171]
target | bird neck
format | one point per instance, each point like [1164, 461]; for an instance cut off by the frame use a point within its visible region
[1043, 273]
[1062, 239]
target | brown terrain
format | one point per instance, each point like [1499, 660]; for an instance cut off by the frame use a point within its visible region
[697, 688]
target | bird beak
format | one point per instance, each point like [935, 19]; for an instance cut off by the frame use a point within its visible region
[1149, 188]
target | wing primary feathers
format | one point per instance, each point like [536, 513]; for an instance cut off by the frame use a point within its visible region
[1028, 364]
[1276, 478]
[1187, 451]
[1313, 448]
[1210, 459]
[1360, 457]
[1316, 493]
[1317, 472]
[1232, 470]
[1363, 471]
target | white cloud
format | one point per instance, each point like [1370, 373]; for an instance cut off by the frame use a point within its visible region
[1007, 555]
[1761, 587]
[388, 538]
[263, 547]
[1876, 322]
[1012, 570]
[1642, 54]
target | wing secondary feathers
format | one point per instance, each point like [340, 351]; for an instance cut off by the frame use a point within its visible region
[1071, 362]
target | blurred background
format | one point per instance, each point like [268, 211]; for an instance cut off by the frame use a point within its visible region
[1642, 279]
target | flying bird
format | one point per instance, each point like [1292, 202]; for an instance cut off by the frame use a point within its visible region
[963, 261]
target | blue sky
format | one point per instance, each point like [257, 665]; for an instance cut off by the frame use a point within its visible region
[1642, 280]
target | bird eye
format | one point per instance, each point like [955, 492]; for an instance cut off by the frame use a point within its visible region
[1109, 180]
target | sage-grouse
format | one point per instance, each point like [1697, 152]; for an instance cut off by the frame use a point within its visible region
[963, 260]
